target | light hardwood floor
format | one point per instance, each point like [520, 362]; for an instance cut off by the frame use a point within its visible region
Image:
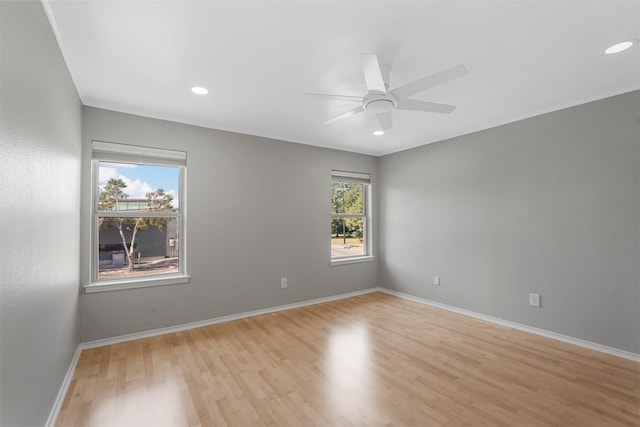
[372, 360]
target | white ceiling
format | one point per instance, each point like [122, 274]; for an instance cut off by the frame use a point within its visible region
[256, 58]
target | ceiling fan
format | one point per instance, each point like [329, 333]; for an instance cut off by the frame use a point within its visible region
[380, 101]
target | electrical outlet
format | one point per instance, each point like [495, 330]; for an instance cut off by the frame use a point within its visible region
[283, 283]
[534, 300]
[436, 280]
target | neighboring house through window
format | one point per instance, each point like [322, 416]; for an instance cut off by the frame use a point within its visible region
[139, 222]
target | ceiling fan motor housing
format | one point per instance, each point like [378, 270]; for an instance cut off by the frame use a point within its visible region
[376, 104]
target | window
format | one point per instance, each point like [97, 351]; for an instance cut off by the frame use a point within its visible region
[138, 223]
[350, 217]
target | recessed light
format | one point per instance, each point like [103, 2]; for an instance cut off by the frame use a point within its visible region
[378, 132]
[619, 47]
[199, 90]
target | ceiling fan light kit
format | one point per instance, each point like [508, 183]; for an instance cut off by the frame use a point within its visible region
[381, 101]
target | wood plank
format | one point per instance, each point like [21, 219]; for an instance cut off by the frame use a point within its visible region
[373, 359]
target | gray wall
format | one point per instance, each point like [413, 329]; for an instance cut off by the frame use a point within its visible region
[40, 147]
[547, 205]
[258, 210]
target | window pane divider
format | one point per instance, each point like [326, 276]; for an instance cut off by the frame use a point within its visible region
[137, 214]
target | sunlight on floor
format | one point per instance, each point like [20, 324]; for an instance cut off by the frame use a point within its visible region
[349, 366]
[160, 404]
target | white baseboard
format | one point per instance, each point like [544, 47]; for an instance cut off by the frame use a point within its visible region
[554, 335]
[564, 338]
[62, 393]
[214, 321]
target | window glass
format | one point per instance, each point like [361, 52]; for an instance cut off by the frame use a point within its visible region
[350, 222]
[137, 244]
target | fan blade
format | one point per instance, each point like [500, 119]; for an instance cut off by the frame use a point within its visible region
[336, 97]
[372, 73]
[431, 107]
[349, 113]
[429, 81]
[385, 120]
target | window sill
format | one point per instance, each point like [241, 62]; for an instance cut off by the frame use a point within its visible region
[118, 285]
[354, 260]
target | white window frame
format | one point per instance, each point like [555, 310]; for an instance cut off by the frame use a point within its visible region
[363, 178]
[123, 153]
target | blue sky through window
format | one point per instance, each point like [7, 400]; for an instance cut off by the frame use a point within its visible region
[141, 179]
